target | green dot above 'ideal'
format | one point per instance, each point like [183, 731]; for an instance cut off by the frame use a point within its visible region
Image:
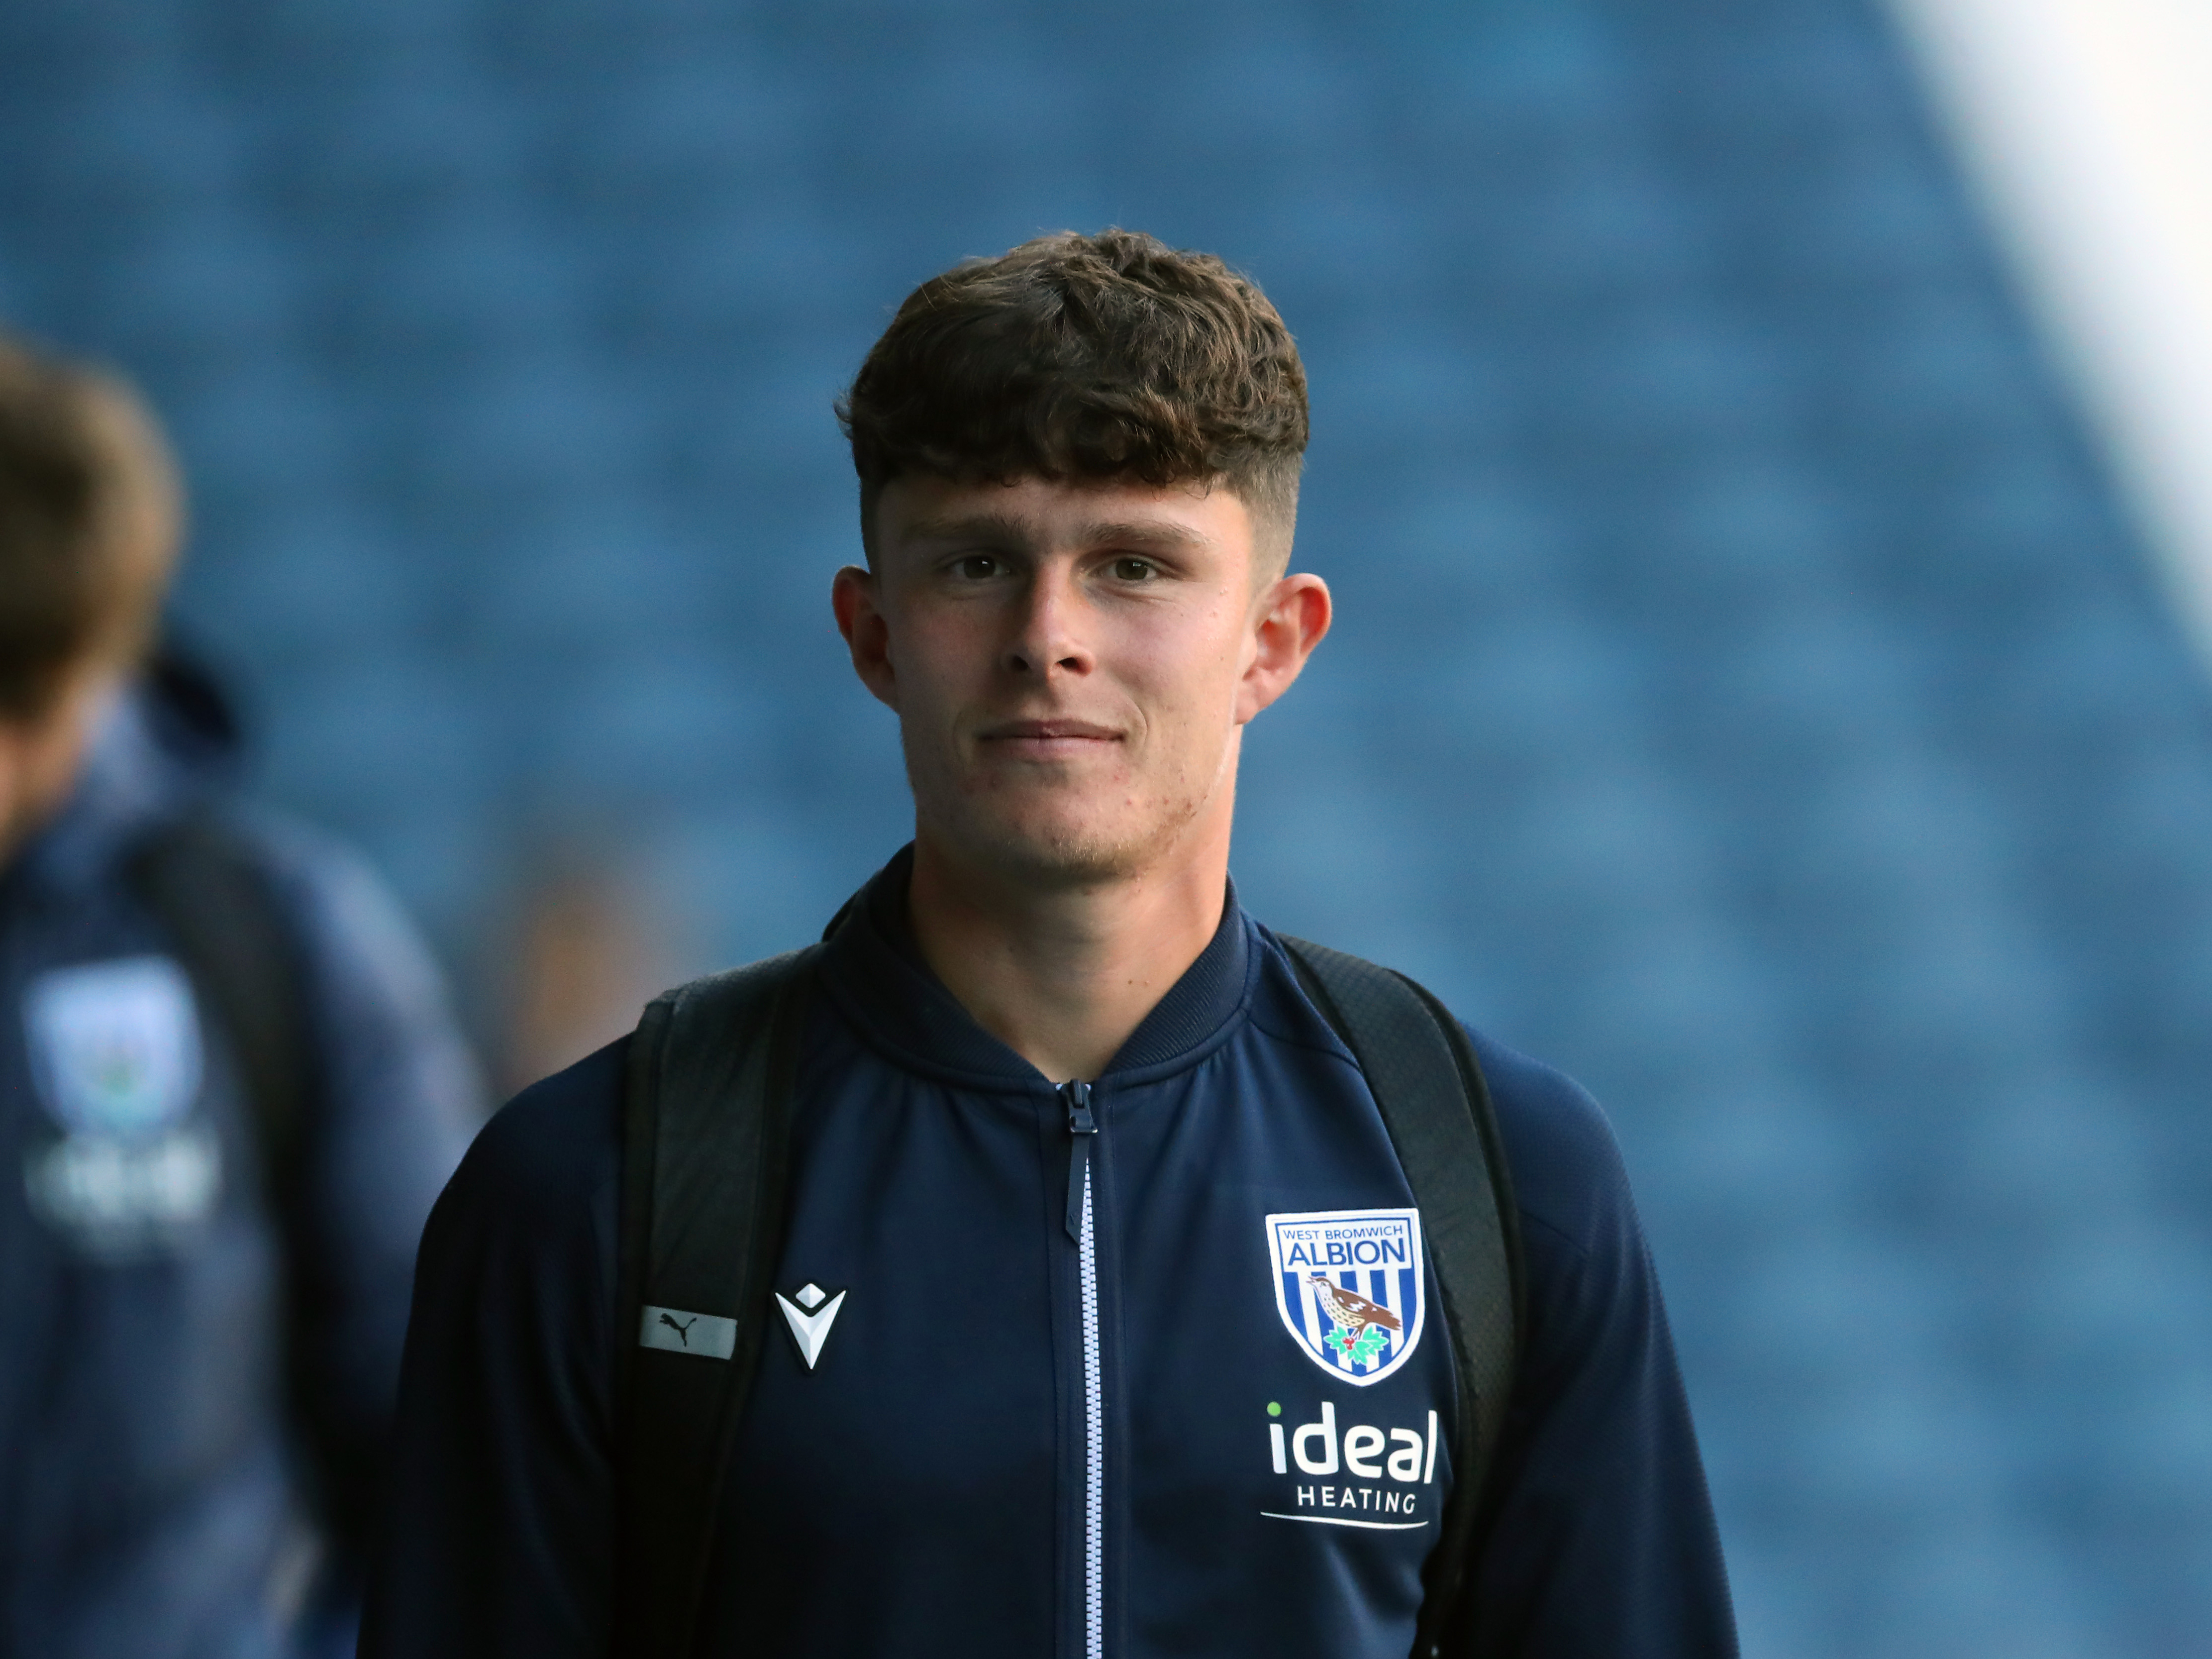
[1274, 1408]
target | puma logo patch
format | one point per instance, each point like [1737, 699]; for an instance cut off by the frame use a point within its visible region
[678, 1330]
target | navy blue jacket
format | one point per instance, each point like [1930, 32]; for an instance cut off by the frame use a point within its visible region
[149, 1502]
[1261, 1476]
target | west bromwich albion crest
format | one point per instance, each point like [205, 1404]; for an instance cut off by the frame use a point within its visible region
[115, 1045]
[115, 1049]
[1350, 1287]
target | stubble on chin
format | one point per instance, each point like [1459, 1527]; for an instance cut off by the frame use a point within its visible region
[1070, 834]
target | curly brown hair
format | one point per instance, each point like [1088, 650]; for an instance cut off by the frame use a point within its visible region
[1105, 357]
[88, 519]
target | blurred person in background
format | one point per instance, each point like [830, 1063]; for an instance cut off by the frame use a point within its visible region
[230, 1089]
[1071, 1139]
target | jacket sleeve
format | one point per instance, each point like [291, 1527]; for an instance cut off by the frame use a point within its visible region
[395, 1097]
[1599, 1541]
[499, 1541]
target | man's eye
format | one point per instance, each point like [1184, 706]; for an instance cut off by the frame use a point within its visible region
[978, 568]
[1134, 570]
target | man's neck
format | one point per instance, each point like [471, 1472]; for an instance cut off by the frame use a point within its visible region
[1063, 976]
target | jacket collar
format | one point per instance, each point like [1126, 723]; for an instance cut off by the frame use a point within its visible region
[874, 971]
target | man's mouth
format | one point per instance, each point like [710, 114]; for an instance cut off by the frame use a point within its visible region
[1048, 740]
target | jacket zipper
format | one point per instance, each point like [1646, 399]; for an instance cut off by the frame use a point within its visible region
[1083, 1134]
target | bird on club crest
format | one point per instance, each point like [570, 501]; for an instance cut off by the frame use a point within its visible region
[1351, 1312]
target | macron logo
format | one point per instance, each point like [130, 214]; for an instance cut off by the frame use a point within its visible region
[810, 1316]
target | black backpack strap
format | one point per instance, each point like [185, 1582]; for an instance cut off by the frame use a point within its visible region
[1430, 1089]
[706, 1154]
[211, 890]
[211, 894]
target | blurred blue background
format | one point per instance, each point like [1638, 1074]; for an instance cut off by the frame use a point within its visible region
[1748, 693]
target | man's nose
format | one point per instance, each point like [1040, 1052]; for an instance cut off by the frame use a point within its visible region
[1050, 637]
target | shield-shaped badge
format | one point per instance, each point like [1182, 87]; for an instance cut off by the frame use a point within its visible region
[115, 1045]
[1350, 1287]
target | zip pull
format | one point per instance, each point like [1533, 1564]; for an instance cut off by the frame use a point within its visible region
[1082, 1127]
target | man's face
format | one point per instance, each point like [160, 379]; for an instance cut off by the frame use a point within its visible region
[1072, 664]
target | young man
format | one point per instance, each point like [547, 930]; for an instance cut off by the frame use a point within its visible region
[1068, 1139]
[229, 1092]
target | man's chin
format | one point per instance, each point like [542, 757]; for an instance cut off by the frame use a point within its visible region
[1056, 853]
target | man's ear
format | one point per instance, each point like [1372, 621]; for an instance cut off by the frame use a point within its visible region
[854, 596]
[1290, 620]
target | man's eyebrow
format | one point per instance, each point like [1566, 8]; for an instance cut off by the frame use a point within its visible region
[1143, 532]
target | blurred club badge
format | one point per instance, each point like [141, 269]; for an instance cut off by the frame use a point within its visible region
[115, 1046]
[115, 1049]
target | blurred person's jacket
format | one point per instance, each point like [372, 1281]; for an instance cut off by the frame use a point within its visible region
[158, 1496]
